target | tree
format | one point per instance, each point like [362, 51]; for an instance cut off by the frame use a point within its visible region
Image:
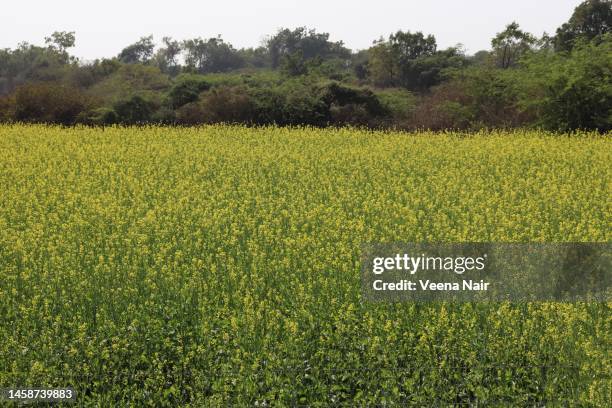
[510, 45]
[167, 56]
[570, 90]
[591, 19]
[256, 57]
[312, 44]
[60, 41]
[186, 89]
[422, 73]
[294, 64]
[138, 53]
[29, 62]
[383, 64]
[410, 60]
[212, 55]
[136, 110]
[409, 46]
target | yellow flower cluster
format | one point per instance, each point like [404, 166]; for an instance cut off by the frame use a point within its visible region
[220, 265]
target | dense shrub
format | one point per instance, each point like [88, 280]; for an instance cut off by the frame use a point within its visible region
[294, 102]
[136, 110]
[399, 102]
[227, 104]
[446, 107]
[186, 89]
[164, 115]
[48, 103]
[481, 96]
[7, 108]
[190, 114]
[130, 80]
[354, 106]
[230, 104]
[302, 104]
[570, 90]
[98, 117]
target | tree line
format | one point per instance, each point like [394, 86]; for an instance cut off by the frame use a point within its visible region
[300, 77]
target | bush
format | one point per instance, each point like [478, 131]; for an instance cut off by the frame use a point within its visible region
[98, 117]
[302, 104]
[399, 102]
[7, 108]
[350, 114]
[48, 103]
[136, 110]
[570, 90]
[480, 96]
[164, 115]
[448, 106]
[227, 104]
[295, 102]
[186, 89]
[131, 80]
[191, 114]
[356, 106]
[269, 103]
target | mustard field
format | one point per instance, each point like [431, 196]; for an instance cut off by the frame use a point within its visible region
[220, 266]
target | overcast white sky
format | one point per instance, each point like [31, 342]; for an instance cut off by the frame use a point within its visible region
[104, 27]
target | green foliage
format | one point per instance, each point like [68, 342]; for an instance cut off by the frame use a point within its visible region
[409, 46]
[383, 66]
[410, 60]
[399, 102]
[228, 105]
[88, 75]
[302, 104]
[286, 81]
[256, 57]
[570, 91]
[30, 63]
[7, 108]
[98, 117]
[60, 41]
[134, 111]
[424, 72]
[340, 95]
[212, 55]
[590, 20]
[293, 102]
[476, 97]
[393, 62]
[510, 45]
[309, 43]
[128, 80]
[186, 88]
[138, 53]
[48, 103]
[166, 57]
[294, 64]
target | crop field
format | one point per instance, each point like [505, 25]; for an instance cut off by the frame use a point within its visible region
[220, 266]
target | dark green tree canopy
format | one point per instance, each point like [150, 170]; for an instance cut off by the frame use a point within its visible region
[61, 40]
[212, 55]
[310, 43]
[591, 19]
[138, 53]
[511, 44]
[409, 46]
